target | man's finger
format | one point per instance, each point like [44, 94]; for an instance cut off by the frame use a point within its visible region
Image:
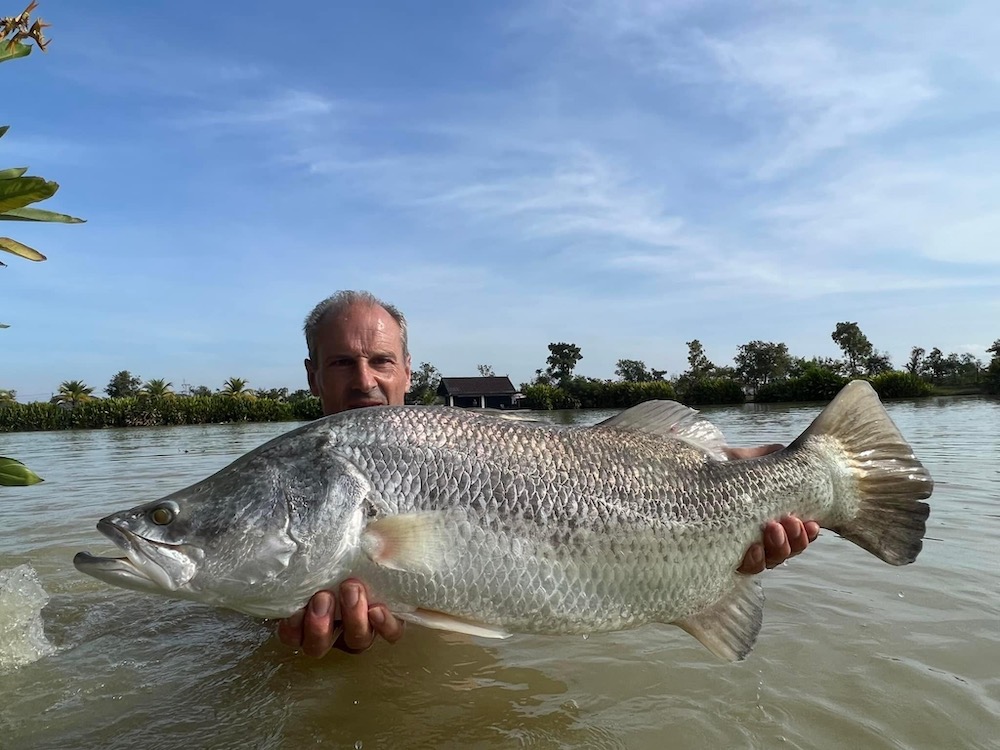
[317, 636]
[812, 530]
[386, 625]
[776, 547]
[753, 561]
[795, 531]
[358, 634]
[290, 629]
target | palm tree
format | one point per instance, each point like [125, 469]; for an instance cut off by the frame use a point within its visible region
[236, 387]
[157, 388]
[73, 392]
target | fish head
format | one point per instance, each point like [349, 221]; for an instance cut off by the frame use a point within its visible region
[260, 536]
[159, 555]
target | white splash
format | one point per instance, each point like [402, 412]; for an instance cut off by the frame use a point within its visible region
[22, 636]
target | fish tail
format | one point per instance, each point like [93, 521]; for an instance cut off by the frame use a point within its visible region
[888, 519]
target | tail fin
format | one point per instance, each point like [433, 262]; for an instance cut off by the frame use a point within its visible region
[890, 522]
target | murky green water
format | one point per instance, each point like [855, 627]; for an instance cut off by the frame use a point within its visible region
[853, 652]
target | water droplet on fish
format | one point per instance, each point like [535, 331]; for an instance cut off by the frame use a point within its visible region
[900, 595]
[585, 636]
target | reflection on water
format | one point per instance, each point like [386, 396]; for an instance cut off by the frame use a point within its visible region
[852, 651]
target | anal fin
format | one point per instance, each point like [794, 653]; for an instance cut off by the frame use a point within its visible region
[729, 627]
[430, 618]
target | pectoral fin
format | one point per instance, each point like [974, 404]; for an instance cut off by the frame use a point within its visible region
[410, 542]
[430, 618]
[729, 627]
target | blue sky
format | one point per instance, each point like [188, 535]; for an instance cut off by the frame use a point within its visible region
[626, 176]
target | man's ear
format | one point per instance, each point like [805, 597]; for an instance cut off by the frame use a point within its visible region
[311, 377]
[409, 373]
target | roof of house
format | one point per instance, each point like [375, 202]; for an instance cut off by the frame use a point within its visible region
[497, 385]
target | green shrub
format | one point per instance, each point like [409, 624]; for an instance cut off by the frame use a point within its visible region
[993, 376]
[590, 393]
[548, 397]
[713, 391]
[897, 384]
[816, 384]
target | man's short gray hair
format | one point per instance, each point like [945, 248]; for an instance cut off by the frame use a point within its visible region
[338, 304]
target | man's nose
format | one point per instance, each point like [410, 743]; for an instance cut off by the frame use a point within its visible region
[364, 376]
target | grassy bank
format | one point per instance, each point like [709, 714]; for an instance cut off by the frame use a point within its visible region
[149, 411]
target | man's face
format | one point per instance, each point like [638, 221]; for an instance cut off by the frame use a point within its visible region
[359, 360]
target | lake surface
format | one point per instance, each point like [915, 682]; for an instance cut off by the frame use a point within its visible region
[853, 652]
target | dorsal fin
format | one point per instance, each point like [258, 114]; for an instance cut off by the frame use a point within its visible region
[673, 420]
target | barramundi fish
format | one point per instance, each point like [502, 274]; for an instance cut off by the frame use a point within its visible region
[473, 523]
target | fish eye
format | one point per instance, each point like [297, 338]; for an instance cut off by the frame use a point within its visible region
[162, 515]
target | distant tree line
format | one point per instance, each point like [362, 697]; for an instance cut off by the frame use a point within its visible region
[150, 411]
[764, 371]
[126, 385]
[132, 402]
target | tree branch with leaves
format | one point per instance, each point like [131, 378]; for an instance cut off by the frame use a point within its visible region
[18, 190]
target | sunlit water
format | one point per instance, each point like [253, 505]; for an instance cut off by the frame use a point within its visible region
[853, 652]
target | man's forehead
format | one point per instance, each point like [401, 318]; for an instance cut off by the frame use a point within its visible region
[362, 314]
[362, 320]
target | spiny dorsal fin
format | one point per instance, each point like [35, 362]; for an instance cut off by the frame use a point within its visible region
[673, 420]
[729, 627]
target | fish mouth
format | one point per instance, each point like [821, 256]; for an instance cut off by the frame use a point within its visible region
[137, 570]
[118, 571]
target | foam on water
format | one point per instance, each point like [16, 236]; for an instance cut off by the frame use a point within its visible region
[22, 636]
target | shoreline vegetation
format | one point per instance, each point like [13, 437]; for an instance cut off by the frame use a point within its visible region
[153, 411]
[763, 372]
[579, 393]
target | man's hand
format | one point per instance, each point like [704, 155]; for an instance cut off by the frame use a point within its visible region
[782, 539]
[315, 628]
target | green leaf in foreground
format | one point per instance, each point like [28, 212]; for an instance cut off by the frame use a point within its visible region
[22, 250]
[15, 474]
[18, 193]
[13, 50]
[38, 214]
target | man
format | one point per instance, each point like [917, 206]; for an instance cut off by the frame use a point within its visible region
[358, 357]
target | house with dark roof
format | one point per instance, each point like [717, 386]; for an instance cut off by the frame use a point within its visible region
[495, 392]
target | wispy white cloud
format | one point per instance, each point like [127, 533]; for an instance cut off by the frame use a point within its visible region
[814, 94]
[290, 108]
[940, 208]
[134, 62]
